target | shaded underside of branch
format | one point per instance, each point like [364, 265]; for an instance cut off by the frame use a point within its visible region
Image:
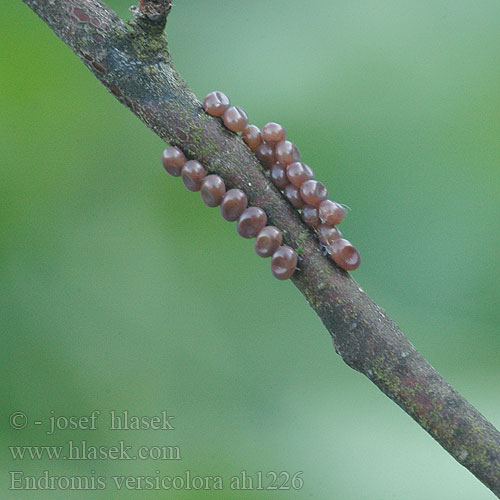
[133, 63]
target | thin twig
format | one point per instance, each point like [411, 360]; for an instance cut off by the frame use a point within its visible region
[133, 63]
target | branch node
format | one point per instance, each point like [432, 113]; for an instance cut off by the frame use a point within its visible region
[151, 15]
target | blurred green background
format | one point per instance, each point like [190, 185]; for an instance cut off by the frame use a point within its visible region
[121, 290]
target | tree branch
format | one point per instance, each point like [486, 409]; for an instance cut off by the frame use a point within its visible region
[133, 63]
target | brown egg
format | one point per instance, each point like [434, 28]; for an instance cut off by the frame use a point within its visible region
[234, 203]
[310, 215]
[273, 132]
[278, 176]
[331, 212]
[251, 221]
[235, 119]
[251, 135]
[265, 154]
[344, 254]
[298, 173]
[292, 194]
[313, 193]
[216, 103]
[327, 234]
[173, 160]
[193, 174]
[287, 152]
[283, 263]
[268, 241]
[212, 190]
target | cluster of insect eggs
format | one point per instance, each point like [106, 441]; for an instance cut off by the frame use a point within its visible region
[251, 221]
[293, 177]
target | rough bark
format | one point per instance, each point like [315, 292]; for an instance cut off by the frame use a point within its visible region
[133, 63]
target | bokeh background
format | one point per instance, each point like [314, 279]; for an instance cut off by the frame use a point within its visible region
[121, 290]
